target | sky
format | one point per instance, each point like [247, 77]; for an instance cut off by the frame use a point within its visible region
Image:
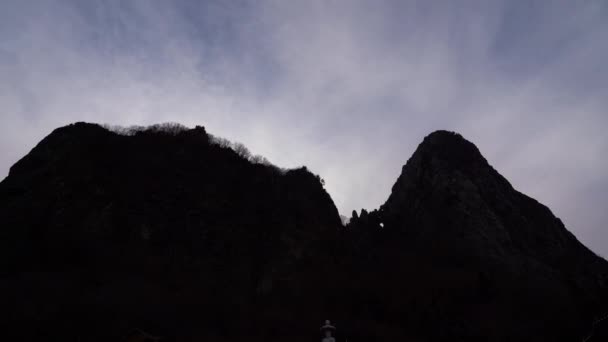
[347, 88]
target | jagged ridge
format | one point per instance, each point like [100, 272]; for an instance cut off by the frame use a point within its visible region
[169, 231]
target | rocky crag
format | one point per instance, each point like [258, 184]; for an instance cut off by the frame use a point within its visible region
[186, 236]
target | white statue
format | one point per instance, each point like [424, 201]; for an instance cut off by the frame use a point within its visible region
[327, 329]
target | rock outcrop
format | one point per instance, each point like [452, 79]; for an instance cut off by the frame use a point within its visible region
[163, 231]
[478, 259]
[171, 232]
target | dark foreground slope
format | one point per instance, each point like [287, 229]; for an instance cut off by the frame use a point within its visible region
[162, 231]
[474, 259]
[170, 233]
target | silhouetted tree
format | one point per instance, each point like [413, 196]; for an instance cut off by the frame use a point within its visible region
[242, 150]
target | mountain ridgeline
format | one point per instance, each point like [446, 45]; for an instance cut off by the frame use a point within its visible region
[107, 234]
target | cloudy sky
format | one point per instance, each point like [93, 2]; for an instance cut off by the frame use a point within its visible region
[348, 88]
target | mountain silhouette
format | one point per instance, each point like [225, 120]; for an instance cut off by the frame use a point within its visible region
[171, 232]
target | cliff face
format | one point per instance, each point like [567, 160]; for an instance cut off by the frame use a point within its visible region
[171, 233]
[481, 259]
[448, 192]
[448, 175]
[103, 233]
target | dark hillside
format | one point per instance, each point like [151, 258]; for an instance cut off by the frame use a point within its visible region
[188, 237]
[465, 255]
[162, 231]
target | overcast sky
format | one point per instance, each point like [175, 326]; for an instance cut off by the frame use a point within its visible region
[348, 88]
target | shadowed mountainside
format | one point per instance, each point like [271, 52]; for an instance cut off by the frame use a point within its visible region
[483, 260]
[171, 232]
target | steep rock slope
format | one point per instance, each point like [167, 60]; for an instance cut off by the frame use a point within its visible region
[163, 231]
[169, 232]
[478, 259]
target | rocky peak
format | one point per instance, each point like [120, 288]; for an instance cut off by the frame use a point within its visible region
[448, 174]
[448, 162]
[451, 150]
[453, 216]
[189, 235]
[448, 192]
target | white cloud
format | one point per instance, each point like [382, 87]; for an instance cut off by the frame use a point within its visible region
[348, 88]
